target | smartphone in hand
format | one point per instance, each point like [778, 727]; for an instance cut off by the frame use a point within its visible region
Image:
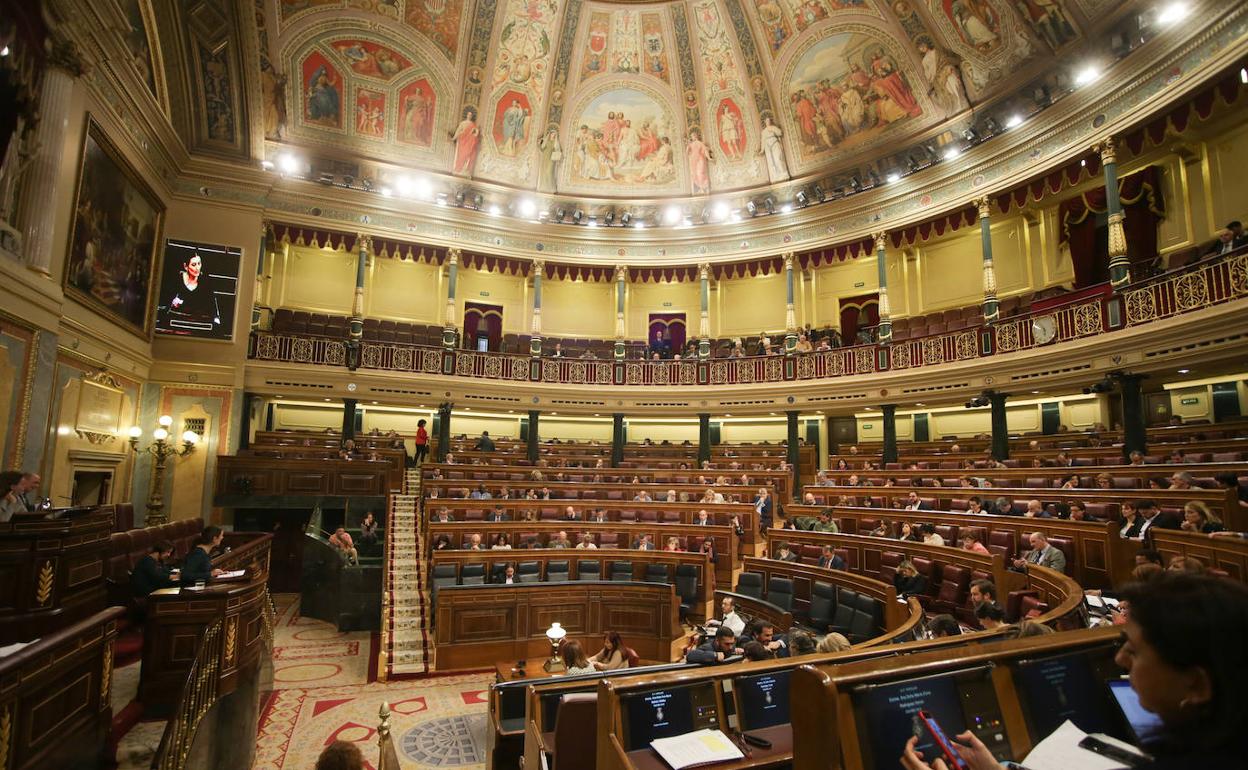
[943, 745]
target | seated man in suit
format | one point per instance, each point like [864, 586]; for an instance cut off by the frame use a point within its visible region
[443, 515]
[913, 503]
[830, 559]
[1043, 553]
[599, 516]
[762, 504]
[151, 572]
[703, 519]
[570, 514]
[1229, 239]
[644, 543]
[560, 540]
[715, 649]
[497, 515]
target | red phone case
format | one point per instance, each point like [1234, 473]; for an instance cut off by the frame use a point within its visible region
[938, 737]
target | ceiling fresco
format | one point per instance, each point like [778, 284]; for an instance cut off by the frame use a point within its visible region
[645, 100]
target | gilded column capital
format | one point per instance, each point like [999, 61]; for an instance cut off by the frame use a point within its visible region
[539, 266]
[881, 240]
[452, 256]
[621, 273]
[984, 205]
[364, 243]
[65, 55]
[788, 260]
[704, 271]
[1108, 150]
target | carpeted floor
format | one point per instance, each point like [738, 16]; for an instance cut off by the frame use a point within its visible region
[322, 693]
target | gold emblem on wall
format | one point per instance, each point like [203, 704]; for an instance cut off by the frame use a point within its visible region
[43, 587]
[6, 732]
[231, 640]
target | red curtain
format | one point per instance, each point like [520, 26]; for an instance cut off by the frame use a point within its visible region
[858, 313]
[671, 325]
[1144, 208]
[482, 319]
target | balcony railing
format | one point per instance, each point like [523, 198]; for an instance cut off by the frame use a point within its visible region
[1204, 284]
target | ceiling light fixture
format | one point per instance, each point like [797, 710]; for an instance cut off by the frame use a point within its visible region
[671, 215]
[577, 216]
[424, 188]
[404, 185]
[526, 207]
[494, 210]
[1171, 13]
[751, 207]
[1185, 371]
[267, 165]
[801, 198]
[892, 177]
[626, 218]
[593, 222]
[1014, 121]
[952, 152]
[720, 211]
[770, 204]
[288, 163]
[786, 209]
[4, 51]
[385, 192]
[1088, 74]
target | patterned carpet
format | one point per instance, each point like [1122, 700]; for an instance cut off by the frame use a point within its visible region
[322, 694]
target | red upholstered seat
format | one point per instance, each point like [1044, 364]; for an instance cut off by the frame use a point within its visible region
[1014, 603]
[609, 540]
[955, 581]
[1005, 540]
[949, 533]
[1067, 547]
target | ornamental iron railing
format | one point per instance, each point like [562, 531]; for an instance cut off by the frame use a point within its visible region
[1206, 283]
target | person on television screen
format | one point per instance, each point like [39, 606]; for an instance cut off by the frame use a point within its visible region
[189, 303]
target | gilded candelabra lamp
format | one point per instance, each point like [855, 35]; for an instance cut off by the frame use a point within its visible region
[555, 635]
[161, 449]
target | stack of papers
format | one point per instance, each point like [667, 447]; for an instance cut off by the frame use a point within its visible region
[231, 574]
[1061, 751]
[702, 747]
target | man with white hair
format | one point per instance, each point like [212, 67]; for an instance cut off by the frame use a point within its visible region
[1042, 553]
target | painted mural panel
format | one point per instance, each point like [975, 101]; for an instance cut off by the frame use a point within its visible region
[1048, 20]
[847, 90]
[730, 128]
[625, 52]
[597, 45]
[719, 68]
[524, 44]
[322, 92]
[775, 24]
[370, 59]
[623, 137]
[985, 33]
[513, 119]
[137, 42]
[417, 110]
[653, 47]
[370, 113]
[438, 20]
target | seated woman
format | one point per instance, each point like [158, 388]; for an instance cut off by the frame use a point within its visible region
[1198, 518]
[341, 541]
[368, 530]
[970, 542]
[574, 659]
[908, 581]
[613, 655]
[673, 545]
[1183, 651]
[501, 542]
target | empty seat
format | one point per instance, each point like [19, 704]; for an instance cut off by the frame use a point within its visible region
[843, 615]
[889, 561]
[528, 572]
[621, 571]
[822, 606]
[588, 570]
[657, 573]
[576, 730]
[1003, 542]
[955, 581]
[686, 587]
[750, 584]
[472, 575]
[557, 571]
[780, 592]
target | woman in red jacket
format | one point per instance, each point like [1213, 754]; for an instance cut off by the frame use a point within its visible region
[422, 442]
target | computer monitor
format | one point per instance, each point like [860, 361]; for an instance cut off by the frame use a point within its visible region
[1141, 723]
[1070, 686]
[762, 700]
[885, 714]
[668, 711]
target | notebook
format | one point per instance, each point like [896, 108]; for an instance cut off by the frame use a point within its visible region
[701, 747]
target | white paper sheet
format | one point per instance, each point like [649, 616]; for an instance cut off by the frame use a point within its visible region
[696, 748]
[1060, 751]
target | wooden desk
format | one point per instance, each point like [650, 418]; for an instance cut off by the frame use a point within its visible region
[492, 474]
[51, 572]
[244, 477]
[779, 755]
[176, 622]
[505, 670]
[478, 625]
[55, 707]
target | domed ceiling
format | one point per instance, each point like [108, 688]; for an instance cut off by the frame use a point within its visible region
[642, 100]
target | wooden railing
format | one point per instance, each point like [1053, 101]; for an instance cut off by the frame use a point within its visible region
[199, 694]
[1204, 284]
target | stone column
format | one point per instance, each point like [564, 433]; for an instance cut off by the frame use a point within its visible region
[793, 455]
[356, 337]
[1134, 425]
[37, 215]
[535, 342]
[790, 308]
[1000, 427]
[534, 417]
[451, 330]
[259, 290]
[1119, 262]
[621, 278]
[992, 311]
[890, 434]
[349, 406]
[617, 439]
[886, 323]
[704, 321]
[704, 438]
[444, 431]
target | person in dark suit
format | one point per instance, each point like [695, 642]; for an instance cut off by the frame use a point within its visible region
[785, 553]
[485, 443]
[150, 572]
[198, 565]
[715, 650]
[762, 504]
[908, 581]
[1229, 239]
[830, 559]
[497, 515]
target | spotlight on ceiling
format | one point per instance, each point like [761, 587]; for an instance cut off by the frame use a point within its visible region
[671, 215]
[526, 207]
[441, 199]
[912, 163]
[386, 192]
[1014, 121]
[751, 207]
[459, 198]
[855, 184]
[1041, 96]
[1172, 13]
[367, 184]
[560, 214]
[720, 211]
[892, 177]
[404, 186]
[577, 216]
[477, 200]
[970, 135]
[952, 151]
[494, 210]
[801, 199]
[267, 165]
[348, 180]
[326, 177]
[626, 218]
[423, 188]
[787, 208]
[608, 219]
[593, 222]
[816, 192]
[992, 126]
[1089, 74]
[769, 203]
[288, 163]
[874, 177]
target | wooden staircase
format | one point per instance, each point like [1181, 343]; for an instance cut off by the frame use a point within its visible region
[404, 619]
